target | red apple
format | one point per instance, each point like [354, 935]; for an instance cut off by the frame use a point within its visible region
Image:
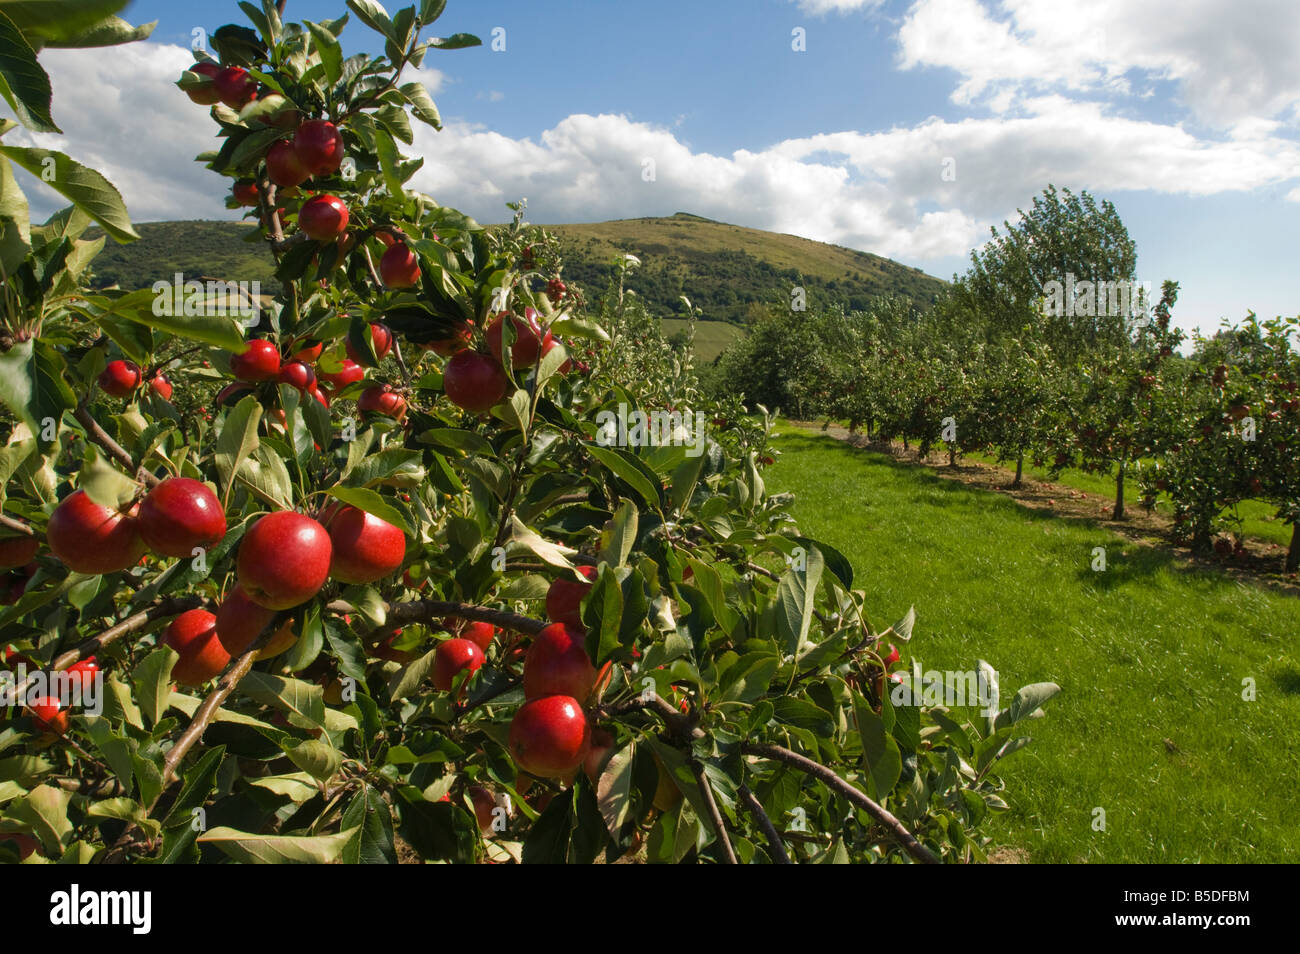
[49, 714]
[235, 87]
[458, 341]
[319, 146]
[557, 664]
[24, 843]
[298, 374]
[484, 807]
[350, 373]
[284, 560]
[308, 351]
[323, 217]
[366, 548]
[259, 362]
[193, 635]
[89, 538]
[240, 621]
[529, 338]
[602, 748]
[82, 672]
[381, 338]
[18, 551]
[452, 657]
[474, 381]
[206, 95]
[283, 167]
[549, 737]
[481, 634]
[119, 378]
[179, 515]
[555, 289]
[161, 387]
[245, 193]
[564, 598]
[382, 400]
[399, 267]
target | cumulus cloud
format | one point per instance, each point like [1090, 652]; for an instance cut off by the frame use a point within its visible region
[1227, 60]
[823, 7]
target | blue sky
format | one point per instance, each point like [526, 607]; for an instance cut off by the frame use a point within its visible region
[1183, 112]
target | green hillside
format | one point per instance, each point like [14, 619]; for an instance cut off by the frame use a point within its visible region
[723, 269]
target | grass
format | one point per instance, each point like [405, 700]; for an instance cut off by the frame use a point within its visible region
[711, 337]
[1147, 651]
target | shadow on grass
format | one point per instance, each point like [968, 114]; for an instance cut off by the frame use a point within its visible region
[1288, 680]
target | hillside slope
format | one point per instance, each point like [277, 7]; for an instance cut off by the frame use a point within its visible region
[724, 269]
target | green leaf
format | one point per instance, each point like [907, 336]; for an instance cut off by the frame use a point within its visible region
[248, 848]
[880, 755]
[45, 809]
[85, 188]
[619, 535]
[408, 680]
[1030, 699]
[32, 384]
[124, 809]
[52, 21]
[795, 598]
[372, 844]
[373, 15]
[417, 95]
[152, 680]
[547, 842]
[552, 553]
[265, 473]
[614, 789]
[110, 31]
[298, 787]
[149, 307]
[200, 780]
[104, 483]
[23, 83]
[371, 502]
[317, 758]
[237, 440]
[15, 220]
[303, 701]
[602, 615]
[457, 41]
[630, 473]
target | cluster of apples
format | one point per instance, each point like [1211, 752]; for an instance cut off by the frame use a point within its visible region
[475, 380]
[284, 560]
[262, 362]
[121, 378]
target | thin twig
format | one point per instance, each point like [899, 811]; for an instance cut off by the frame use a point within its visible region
[18, 525]
[422, 611]
[773, 836]
[118, 453]
[854, 795]
[715, 816]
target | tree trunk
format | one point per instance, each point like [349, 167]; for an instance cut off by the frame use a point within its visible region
[1119, 491]
[1293, 554]
[952, 455]
[1020, 469]
[905, 447]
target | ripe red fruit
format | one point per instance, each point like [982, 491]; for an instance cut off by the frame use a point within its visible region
[529, 338]
[284, 560]
[308, 351]
[261, 362]
[564, 598]
[350, 373]
[297, 374]
[283, 167]
[193, 635]
[245, 193]
[381, 337]
[319, 146]
[82, 672]
[161, 387]
[235, 87]
[549, 737]
[239, 621]
[458, 341]
[179, 515]
[481, 634]
[24, 843]
[89, 538]
[319, 395]
[474, 381]
[484, 807]
[399, 267]
[555, 289]
[119, 378]
[383, 400]
[17, 551]
[206, 95]
[366, 548]
[232, 393]
[557, 664]
[602, 747]
[323, 217]
[49, 714]
[452, 657]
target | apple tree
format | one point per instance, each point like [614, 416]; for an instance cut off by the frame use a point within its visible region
[434, 572]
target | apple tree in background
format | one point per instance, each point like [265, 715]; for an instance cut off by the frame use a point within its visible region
[390, 591]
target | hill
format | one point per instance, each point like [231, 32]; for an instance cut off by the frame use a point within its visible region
[726, 270]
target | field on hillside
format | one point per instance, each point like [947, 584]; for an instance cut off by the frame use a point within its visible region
[1150, 727]
[711, 337]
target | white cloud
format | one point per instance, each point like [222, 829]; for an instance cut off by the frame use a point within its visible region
[1228, 60]
[823, 7]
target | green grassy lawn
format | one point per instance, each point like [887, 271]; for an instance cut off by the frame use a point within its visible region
[1146, 651]
[711, 337]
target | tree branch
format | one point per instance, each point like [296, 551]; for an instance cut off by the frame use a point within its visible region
[838, 785]
[115, 450]
[422, 611]
[681, 726]
[715, 816]
[773, 836]
[18, 525]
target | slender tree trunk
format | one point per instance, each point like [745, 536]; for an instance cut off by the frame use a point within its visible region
[1119, 490]
[1020, 469]
[1293, 554]
[905, 447]
[952, 455]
